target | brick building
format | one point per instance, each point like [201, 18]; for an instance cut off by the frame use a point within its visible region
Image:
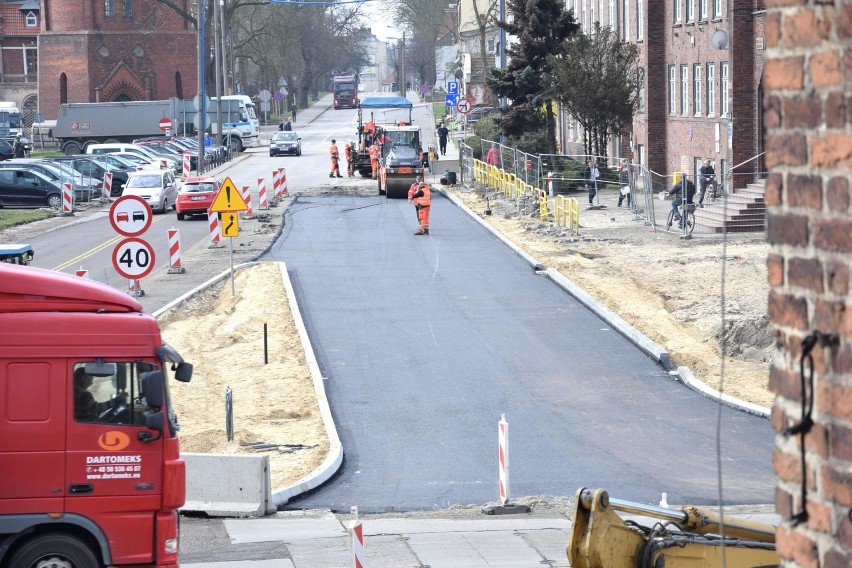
[19, 29]
[808, 121]
[114, 50]
[691, 91]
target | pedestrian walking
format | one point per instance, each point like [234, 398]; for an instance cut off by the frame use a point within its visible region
[493, 156]
[288, 126]
[335, 160]
[293, 109]
[443, 132]
[422, 197]
[623, 184]
[706, 178]
[590, 178]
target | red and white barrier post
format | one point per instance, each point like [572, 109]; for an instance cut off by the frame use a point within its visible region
[283, 181]
[186, 163]
[215, 235]
[67, 198]
[135, 287]
[81, 272]
[107, 186]
[174, 252]
[247, 214]
[164, 164]
[261, 194]
[276, 185]
[503, 442]
[356, 540]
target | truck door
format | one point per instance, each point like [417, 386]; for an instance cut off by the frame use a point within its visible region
[112, 476]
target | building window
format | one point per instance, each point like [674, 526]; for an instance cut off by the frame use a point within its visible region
[31, 19]
[592, 19]
[640, 90]
[643, 157]
[672, 90]
[63, 89]
[640, 20]
[126, 8]
[717, 9]
[702, 9]
[723, 91]
[612, 14]
[626, 20]
[109, 8]
[678, 17]
[690, 10]
[696, 89]
[711, 89]
[684, 90]
[585, 20]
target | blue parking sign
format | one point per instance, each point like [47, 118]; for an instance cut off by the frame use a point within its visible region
[452, 88]
[452, 100]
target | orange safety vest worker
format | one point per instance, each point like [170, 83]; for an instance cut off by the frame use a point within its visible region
[374, 159]
[423, 198]
[347, 151]
[411, 191]
[335, 159]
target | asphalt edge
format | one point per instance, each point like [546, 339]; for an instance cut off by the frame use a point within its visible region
[644, 343]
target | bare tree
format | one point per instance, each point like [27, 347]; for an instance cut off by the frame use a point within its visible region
[422, 19]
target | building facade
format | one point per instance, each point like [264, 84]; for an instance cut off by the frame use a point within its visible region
[19, 28]
[114, 50]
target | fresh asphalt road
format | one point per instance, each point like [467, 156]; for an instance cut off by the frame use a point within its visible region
[425, 341]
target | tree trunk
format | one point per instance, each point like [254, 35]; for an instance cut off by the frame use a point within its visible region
[551, 126]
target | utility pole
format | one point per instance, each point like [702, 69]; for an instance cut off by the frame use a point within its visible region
[225, 34]
[202, 111]
[217, 68]
[402, 66]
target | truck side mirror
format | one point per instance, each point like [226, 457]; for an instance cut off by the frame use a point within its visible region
[183, 372]
[152, 388]
[153, 421]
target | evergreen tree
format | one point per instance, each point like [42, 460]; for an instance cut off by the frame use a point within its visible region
[542, 28]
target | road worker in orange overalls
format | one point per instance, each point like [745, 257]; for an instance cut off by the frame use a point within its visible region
[350, 165]
[374, 160]
[370, 131]
[423, 198]
[335, 160]
[411, 191]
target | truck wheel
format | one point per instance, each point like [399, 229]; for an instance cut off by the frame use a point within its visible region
[235, 143]
[54, 550]
[72, 148]
[54, 201]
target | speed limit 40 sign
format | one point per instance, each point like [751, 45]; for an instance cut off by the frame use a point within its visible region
[133, 258]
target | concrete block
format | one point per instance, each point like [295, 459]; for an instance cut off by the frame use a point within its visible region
[224, 485]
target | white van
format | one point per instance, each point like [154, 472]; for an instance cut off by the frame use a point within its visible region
[175, 163]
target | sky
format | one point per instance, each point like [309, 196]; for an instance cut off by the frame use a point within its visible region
[381, 23]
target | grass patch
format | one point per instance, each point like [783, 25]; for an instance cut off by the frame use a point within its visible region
[10, 218]
[45, 153]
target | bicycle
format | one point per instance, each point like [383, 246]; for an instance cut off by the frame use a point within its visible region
[687, 217]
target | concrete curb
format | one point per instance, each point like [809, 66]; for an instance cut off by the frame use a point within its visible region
[631, 333]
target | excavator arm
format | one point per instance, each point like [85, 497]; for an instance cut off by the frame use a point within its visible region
[690, 537]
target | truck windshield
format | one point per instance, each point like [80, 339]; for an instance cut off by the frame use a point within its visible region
[118, 398]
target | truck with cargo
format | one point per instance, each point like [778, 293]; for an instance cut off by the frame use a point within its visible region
[344, 88]
[91, 469]
[78, 125]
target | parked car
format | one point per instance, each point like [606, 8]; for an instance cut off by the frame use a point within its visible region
[91, 166]
[135, 160]
[285, 142]
[196, 196]
[22, 187]
[7, 152]
[173, 161]
[84, 188]
[165, 146]
[157, 187]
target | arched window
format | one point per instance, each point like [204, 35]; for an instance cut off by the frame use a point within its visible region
[63, 89]
[178, 85]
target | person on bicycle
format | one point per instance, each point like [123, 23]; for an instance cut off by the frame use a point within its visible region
[678, 190]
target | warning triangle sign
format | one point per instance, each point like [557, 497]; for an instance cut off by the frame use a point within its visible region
[228, 199]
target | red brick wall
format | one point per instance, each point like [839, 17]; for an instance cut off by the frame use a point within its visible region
[808, 122]
[137, 56]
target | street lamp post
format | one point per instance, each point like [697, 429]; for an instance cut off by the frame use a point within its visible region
[200, 106]
[216, 58]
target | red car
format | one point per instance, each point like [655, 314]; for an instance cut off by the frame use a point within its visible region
[196, 196]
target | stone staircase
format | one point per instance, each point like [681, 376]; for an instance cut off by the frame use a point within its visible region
[744, 211]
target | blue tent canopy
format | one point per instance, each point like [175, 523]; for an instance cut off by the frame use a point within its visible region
[385, 102]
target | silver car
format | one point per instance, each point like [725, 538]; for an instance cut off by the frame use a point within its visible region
[157, 187]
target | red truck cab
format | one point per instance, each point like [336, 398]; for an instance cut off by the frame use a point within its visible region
[90, 468]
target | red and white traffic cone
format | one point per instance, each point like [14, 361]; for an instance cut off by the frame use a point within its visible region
[81, 272]
[67, 199]
[247, 214]
[215, 235]
[261, 194]
[356, 539]
[107, 186]
[186, 164]
[174, 252]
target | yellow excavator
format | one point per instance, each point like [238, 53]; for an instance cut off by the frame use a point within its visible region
[688, 537]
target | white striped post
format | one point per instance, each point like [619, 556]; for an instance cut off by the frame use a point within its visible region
[186, 164]
[276, 184]
[215, 236]
[503, 442]
[283, 182]
[107, 192]
[247, 214]
[67, 198]
[356, 538]
[174, 252]
[261, 194]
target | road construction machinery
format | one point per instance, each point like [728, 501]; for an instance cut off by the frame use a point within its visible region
[686, 537]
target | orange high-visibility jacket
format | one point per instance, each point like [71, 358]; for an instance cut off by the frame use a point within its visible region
[374, 152]
[423, 196]
[334, 151]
